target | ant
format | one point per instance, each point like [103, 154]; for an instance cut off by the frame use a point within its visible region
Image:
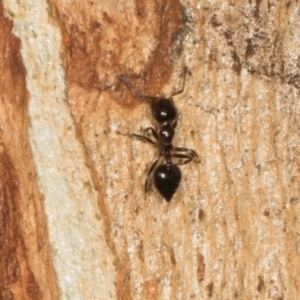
[166, 176]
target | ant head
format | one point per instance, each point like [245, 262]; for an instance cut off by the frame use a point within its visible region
[163, 110]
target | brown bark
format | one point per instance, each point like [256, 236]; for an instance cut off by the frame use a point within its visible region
[26, 270]
[231, 230]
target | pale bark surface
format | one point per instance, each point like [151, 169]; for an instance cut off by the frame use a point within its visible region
[232, 229]
[26, 270]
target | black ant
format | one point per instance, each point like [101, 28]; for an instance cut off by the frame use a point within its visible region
[166, 176]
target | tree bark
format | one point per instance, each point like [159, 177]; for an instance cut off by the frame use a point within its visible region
[26, 271]
[231, 230]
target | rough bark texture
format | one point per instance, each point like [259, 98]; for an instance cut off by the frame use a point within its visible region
[26, 271]
[232, 229]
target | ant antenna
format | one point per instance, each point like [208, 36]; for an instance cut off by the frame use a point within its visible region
[183, 82]
[133, 89]
[127, 81]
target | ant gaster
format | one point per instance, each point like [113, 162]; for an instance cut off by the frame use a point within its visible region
[166, 176]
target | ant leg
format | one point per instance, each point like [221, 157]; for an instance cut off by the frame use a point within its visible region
[192, 153]
[152, 130]
[148, 177]
[175, 124]
[142, 138]
[139, 137]
[186, 158]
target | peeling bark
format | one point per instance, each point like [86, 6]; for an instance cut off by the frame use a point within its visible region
[26, 270]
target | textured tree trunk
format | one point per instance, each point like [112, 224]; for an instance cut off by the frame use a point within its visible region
[74, 220]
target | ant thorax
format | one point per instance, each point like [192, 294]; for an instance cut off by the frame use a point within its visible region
[166, 133]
